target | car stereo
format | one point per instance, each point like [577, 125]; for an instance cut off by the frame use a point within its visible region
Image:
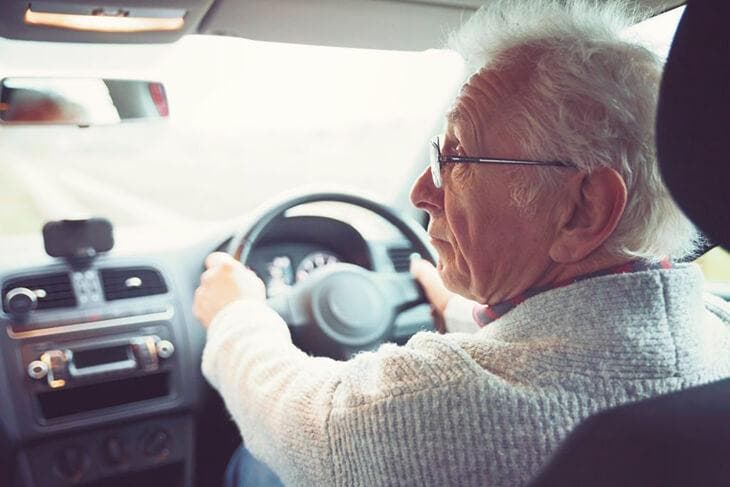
[83, 362]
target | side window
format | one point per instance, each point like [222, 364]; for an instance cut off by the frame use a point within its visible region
[715, 265]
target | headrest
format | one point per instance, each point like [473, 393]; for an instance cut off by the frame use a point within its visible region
[693, 121]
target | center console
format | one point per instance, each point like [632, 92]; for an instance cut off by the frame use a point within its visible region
[92, 371]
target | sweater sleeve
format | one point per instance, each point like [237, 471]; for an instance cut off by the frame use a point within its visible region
[279, 397]
[458, 315]
[297, 412]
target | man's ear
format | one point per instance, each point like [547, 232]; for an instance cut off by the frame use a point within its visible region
[595, 204]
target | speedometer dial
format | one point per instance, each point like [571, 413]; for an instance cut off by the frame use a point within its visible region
[313, 261]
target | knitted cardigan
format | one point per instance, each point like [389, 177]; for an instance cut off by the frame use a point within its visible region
[484, 408]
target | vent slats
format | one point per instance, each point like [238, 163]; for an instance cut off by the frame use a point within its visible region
[52, 290]
[401, 258]
[131, 282]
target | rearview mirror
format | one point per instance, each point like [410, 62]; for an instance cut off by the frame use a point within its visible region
[80, 101]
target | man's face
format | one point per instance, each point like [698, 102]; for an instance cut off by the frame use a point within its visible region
[489, 248]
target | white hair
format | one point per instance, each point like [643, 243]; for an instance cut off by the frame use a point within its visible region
[589, 97]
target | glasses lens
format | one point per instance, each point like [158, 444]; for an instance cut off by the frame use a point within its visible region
[435, 162]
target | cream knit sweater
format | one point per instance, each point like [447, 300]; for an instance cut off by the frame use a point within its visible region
[485, 408]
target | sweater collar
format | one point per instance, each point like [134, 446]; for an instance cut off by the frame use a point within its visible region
[486, 314]
[642, 325]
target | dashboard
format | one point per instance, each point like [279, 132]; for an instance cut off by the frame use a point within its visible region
[103, 372]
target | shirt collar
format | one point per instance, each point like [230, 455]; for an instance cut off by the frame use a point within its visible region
[484, 314]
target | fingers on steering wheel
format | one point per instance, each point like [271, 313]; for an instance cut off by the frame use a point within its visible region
[218, 258]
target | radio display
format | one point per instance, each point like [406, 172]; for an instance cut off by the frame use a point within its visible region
[100, 356]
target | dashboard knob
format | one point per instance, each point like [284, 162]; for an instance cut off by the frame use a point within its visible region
[165, 349]
[157, 444]
[71, 463]
[114, 451]
[20, 301]
[37, 369]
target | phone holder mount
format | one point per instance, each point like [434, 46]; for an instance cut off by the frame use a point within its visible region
[78, 242]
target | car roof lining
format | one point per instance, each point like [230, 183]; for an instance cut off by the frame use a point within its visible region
[375, 24]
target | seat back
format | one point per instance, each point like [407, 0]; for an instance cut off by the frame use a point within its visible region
[682, 439]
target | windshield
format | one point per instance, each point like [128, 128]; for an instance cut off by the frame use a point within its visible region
[248, 120]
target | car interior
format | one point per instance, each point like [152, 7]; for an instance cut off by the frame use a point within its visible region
[143, 135]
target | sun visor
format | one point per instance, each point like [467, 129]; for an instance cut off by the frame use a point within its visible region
[128, 21]
[401, 25]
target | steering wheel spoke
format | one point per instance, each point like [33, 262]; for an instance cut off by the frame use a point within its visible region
[411, 321]
[291, 306]
[400, 289]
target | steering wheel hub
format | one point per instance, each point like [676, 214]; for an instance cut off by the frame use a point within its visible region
[350, 308]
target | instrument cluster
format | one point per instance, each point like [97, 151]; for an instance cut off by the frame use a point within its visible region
[282, 271]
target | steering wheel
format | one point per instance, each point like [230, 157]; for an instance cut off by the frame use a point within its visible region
[342, 308]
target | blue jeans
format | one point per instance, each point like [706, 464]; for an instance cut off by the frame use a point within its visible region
[246, 471]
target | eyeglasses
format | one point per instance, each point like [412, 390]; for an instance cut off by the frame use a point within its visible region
[437, 160]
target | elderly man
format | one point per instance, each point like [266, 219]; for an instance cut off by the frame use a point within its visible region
[547, 210]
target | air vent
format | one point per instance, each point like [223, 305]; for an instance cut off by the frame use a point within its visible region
[51, 290]
[131, 282]
[401, 258]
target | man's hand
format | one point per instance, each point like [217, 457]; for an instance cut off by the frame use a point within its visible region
[226, 280]
[428, 277]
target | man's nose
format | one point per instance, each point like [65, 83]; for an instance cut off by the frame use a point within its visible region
[424, 195]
